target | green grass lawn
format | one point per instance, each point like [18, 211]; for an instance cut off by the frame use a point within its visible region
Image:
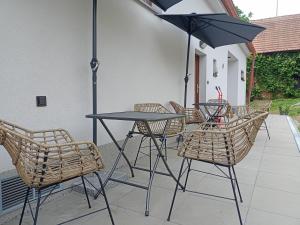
[284, 103]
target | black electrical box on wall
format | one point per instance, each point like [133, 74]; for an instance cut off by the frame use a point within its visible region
[41, 101]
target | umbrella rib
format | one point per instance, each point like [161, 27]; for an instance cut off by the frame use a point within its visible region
[203, 26]
[227, 31]
[241, 24]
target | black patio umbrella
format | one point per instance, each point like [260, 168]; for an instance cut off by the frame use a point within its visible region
[163, 4]
[214, 29]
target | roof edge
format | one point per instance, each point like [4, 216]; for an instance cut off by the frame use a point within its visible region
[230, 8]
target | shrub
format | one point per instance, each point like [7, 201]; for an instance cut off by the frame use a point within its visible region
[276, 74]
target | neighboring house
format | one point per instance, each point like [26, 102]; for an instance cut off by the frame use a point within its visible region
[282, 34]
[46, 48]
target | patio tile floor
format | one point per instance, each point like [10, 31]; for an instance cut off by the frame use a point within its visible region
[269, 179]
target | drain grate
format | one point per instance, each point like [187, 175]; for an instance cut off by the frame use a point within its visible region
[13, 193]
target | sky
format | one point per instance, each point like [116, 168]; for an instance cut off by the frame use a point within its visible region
[267, 8]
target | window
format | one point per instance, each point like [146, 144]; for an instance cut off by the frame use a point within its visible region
[215, 68]
[243, 75]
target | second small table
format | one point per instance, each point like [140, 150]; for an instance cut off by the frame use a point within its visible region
[212, 114]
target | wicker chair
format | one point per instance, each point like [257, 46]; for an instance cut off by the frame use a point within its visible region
[161, 130]
[193, 116]
[266, 108]
[222, 145]
[240, 111]
[49, 157]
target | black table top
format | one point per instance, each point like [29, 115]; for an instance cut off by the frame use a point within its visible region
[211, 104]
[136, 116]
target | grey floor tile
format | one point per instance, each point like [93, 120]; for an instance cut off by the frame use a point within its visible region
[278, 202]
[159, 204]
[121, 217]
[197, 210]
[258, 217]
[288, 150]
[278, 182]
[281, 164]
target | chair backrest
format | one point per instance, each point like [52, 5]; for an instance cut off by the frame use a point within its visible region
[267, 106]
[193, 115]
[226, 143]
[22, 149]
[174, 126]
[263, 105]
[178, 108]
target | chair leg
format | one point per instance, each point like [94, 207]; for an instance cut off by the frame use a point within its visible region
[105, 198]
[267, 129]
[187, 175]
[235, 197]
[237, 184]
[85, 191]
[178, 140]
[137, 155]
[176, 189]
[165, 145]
[150, 156]
[24, 206]
[37, 208]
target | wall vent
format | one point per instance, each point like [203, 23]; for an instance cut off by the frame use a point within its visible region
[13, 191]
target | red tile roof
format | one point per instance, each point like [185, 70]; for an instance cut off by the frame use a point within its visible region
[282, 34]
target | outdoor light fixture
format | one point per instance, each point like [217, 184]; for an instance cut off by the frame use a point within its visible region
[202, 44]
[215, 68]
[242, 75]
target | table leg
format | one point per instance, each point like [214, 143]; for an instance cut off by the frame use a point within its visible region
[121, 149]
[150, 185]
[121, 153]
[160, 153]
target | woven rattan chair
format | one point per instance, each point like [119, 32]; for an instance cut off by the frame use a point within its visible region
[223, 145]
[266, 108]
[240, 111]
[161, 130]
[193, 115]
[49, 157]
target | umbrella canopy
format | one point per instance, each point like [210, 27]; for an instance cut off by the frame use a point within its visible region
[214, 29]
[165, 4]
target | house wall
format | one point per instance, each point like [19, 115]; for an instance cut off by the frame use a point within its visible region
[45, 49]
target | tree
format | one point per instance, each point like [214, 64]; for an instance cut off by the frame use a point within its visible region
[243, 16]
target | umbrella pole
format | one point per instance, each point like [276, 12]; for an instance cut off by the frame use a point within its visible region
[94, 66]
[186, 78]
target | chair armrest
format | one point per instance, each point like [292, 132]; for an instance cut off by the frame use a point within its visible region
[193, 115]
[61, 162]
[53, 136]
[77, 148]
[175, 126]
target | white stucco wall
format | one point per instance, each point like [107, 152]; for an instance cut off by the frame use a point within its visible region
[45, 49]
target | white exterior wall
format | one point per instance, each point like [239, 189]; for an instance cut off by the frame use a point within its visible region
[45, 49]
